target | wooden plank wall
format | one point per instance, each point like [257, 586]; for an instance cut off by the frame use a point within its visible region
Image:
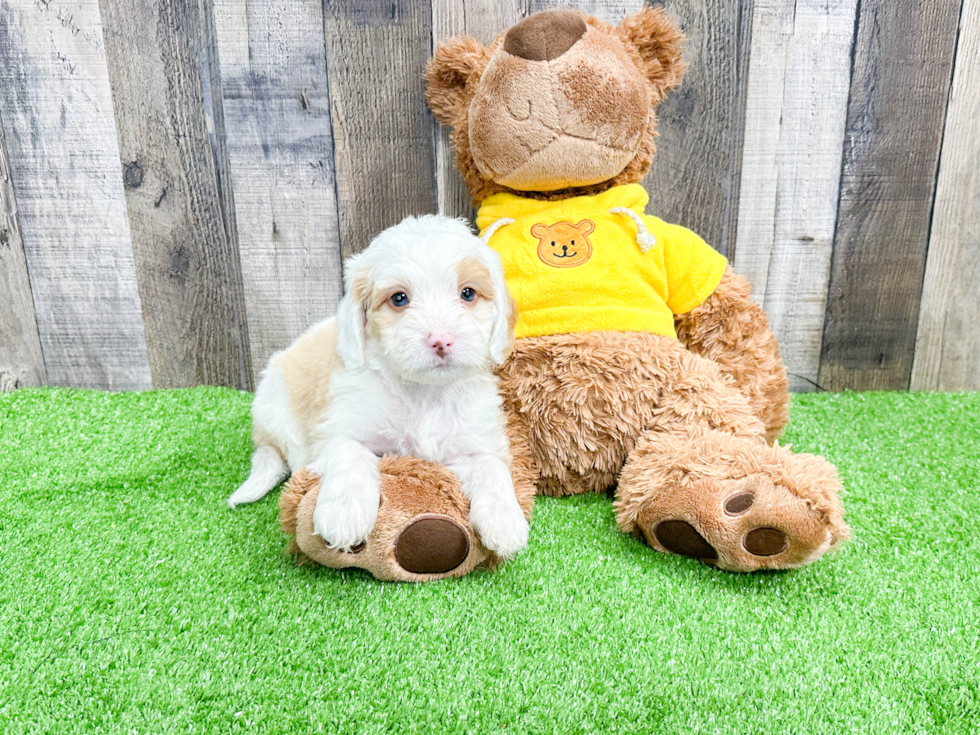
[948, 341]
[180, 180]
[187, 261]
[56, 107]
[273, 82]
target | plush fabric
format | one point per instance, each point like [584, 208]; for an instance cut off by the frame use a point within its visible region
[732, 331]
[534, 126]
[455, 73]
[575, 266]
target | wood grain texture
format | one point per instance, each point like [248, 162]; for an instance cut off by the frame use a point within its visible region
[21, 361]
[186, 265]
[56, 109]
[484, 20]
[947, 350]
[611, 11]
[903, 67]
[799, 72]
[277, 118]
[383, 140]
[694, 180]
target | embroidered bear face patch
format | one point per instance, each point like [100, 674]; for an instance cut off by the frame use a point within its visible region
[564, 245]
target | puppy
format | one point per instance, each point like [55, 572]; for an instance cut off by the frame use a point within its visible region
[404, 368]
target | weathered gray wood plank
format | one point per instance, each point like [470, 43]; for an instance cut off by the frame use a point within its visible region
[611, 11]
[902, 72]
[187, 266]
[277, 118]
[21, 361]
[64, 161]
[799, 72]
[484, 21]
[947, 350]
[696, 171]
[385, 148]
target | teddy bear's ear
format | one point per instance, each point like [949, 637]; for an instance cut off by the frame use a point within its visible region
[446, 75]
[659, 42]
[539, 230]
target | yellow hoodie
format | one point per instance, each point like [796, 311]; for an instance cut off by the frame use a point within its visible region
[574, 266]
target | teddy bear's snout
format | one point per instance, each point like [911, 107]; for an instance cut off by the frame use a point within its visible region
[544, 36]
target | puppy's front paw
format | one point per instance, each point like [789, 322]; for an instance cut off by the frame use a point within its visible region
[501, 525]
[345, 519]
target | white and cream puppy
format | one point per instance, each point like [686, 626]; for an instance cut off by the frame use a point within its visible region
[403, 368]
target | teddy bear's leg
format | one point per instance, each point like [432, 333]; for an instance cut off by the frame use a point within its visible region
[422, 532]
[733, 331]
[730, 501]
[583, 400]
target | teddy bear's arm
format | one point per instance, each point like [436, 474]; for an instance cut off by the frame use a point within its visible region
[733, 331]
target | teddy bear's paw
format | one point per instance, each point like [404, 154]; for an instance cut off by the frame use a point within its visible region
[731, 502]
[738, 525]
[401, 547]
[420, 532]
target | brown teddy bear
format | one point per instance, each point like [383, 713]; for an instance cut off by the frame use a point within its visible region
[641, 361]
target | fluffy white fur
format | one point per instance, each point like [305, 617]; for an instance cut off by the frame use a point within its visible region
[403, 378]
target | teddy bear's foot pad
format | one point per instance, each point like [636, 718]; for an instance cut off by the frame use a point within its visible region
[765, 542]
[680, 537]
[432, 545]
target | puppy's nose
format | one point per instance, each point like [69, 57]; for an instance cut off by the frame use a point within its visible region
[440, 342]
[544, 36]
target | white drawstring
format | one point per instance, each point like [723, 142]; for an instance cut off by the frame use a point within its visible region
[488, 233]
[643, 238]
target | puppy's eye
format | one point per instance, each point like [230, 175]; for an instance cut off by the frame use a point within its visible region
[399, 299]
[467, 294]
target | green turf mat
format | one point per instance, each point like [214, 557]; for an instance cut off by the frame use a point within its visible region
[133, 600]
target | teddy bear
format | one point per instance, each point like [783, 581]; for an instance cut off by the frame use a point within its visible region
[641, 366]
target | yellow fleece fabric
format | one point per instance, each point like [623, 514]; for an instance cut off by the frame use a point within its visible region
[572, 266]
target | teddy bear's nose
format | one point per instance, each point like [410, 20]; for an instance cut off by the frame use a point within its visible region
[545, 36]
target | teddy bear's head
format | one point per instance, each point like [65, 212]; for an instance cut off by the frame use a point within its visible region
[564, 245]
[560, 104]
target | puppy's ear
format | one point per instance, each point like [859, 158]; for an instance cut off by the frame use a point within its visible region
[504, 312]
[660, 43]
[352, 314]
[446, 75]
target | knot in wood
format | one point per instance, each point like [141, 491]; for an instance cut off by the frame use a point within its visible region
[133, 175]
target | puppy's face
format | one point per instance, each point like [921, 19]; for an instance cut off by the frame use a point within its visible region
[427, 301]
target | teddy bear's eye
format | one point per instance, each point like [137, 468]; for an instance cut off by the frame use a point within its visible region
[552, 243]
[573, 242]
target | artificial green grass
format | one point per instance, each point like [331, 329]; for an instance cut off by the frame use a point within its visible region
[133, 600]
